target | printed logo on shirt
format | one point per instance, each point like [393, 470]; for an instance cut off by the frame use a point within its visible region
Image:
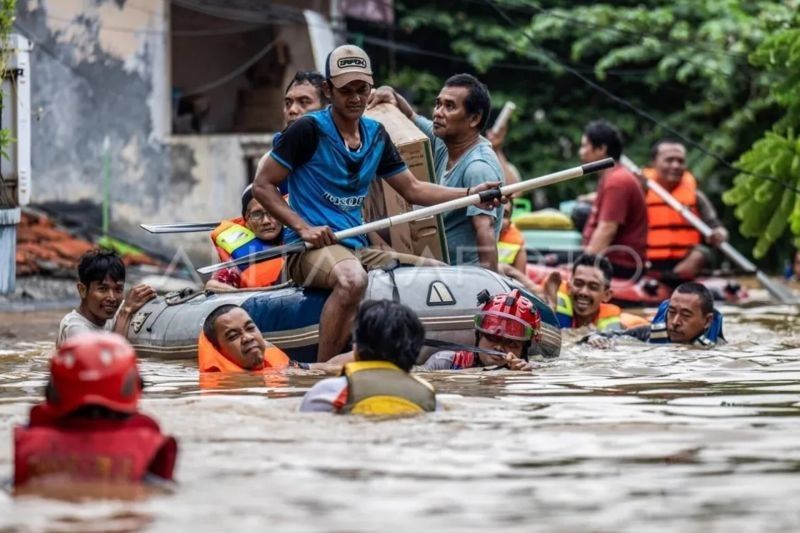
[346, 203]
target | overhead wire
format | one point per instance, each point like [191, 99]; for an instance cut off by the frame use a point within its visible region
[633, 107]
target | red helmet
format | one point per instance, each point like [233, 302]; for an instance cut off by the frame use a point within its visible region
[94, 369]
[510, 315]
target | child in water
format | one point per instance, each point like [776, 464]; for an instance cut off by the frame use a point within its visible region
[387, 339]
[88, 429]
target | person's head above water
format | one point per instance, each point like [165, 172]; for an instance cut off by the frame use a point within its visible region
[590, 284]
[304, 94]
[101, 282]
[93, 370]
[690, 312]
[233, 333]
[387, 331]
[509, 323]
[259, 220]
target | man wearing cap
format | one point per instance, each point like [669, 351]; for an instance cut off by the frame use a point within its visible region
[329, 158]
[254, 231]
[462, 158]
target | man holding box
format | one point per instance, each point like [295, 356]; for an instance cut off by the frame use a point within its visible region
[330, 157]
[462, 158]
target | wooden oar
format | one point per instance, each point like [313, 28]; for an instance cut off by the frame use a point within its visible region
[416, 214]
[185, 227]
[780, 293]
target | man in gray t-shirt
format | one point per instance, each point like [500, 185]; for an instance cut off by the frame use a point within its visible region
[101, 280]
[462, 158]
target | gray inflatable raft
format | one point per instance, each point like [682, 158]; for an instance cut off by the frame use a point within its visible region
[445, 299]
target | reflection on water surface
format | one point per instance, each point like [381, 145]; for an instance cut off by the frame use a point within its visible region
[640, 437]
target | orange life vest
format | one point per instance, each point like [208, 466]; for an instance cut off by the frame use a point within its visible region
[210, 359]
[233, 240]
[509, 244]
[113, 451]
[669, 235]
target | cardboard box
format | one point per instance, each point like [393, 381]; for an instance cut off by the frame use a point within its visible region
[425, 237]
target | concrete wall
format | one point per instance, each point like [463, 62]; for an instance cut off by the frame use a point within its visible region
[101, 70]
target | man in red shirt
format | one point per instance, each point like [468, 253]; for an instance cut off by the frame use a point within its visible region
[617, 226]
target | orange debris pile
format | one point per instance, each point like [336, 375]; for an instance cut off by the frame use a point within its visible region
[44, 248]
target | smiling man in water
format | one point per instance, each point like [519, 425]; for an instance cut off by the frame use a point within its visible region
[583, 301]
[101, 282]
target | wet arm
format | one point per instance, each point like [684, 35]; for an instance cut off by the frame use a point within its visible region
[485, 241]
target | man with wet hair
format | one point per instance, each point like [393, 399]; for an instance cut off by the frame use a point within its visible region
[673, 244]
[617, 225]
[231, 342]
[387, 339]
[101, 282]
[688, 317]
[462, 158]
[583, 301]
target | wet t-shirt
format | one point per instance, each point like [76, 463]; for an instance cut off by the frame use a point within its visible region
[620, 199]
[75, 323]
[476, 166]
[328, 180]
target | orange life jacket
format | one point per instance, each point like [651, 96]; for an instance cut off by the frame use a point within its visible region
[210, 359]
[233, 240]
[669, 235]
[83, 449]
[509, 244]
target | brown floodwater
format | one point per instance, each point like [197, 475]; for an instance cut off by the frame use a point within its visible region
[634, 438]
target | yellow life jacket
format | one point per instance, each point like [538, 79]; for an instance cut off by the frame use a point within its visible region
[607, 319]
[510, 243]
[382, 388]
[234, 240]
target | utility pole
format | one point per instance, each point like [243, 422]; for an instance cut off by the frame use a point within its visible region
[15, 164]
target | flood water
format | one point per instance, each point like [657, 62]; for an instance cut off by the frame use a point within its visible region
[635, 438]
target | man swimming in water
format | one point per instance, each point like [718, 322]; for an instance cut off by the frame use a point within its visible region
[688, 317]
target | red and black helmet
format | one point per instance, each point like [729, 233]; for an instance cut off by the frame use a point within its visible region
[510, 315]
[96, 368]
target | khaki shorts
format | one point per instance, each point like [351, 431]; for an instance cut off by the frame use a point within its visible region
[313, 268]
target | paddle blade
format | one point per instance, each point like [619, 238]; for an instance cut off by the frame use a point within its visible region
[188, 227]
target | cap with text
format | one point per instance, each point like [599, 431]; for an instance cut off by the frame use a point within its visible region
[348, 63]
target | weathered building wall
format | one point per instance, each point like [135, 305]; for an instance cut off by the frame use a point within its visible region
[100, 70]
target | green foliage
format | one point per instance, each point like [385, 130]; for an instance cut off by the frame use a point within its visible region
[778, 152]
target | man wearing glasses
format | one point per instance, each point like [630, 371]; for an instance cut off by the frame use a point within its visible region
[329, 158]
